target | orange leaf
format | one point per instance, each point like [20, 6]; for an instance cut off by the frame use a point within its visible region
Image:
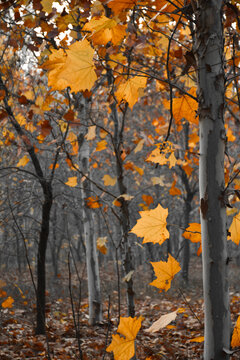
[101, 244]
[75, 68]
[197, 339]
[118, 6]
[130, 90]
[235, 229]
[23, 161]
[148, 199]
[93, 202]
[165, 272]
[174, 191]
[101, 145]
[72, 181]
[123, 348]
[193, 233]
[152, 225]
[8, 303]
[236, 334]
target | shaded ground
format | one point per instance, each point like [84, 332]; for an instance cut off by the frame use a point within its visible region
[17, 339]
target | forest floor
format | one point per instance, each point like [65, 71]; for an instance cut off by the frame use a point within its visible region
[176, 341]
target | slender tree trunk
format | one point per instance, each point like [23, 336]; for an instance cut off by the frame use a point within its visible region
[94, 292]
[208, 47]
[41, 260]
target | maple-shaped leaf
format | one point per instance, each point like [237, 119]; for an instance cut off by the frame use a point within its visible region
[123, 348]
[109, 181]
[152, 225]
[163, 154]
[130, 90]
[165, 272]
[23, 161]
[93, 202]
[235, 229]
[184, 107]
[193, 233]
[8, 303]
[236, 334]
[74, 69]
[101, 244]
[104, 30]
[72, 181]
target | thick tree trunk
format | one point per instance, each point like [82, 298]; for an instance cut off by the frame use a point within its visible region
[208, 47]
[41, 260]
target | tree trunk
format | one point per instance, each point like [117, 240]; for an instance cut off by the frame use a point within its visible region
[208, 47]
[94, 292]
[41, 260]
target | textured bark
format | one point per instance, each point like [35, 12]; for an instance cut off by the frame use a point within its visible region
[208, 48]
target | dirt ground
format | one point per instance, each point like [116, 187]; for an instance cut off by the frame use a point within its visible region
[176, 341]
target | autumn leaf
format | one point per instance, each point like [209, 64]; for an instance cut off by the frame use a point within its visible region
[123, 348]
[8, 303]
[104, 30]
[163, 154]
[91, 133]
[165, 272]
[174, 190]
[198, 339]
[101, 145]
[130, 90]
[139, 146]
[23, 161]
[118, 6]
[193, 233]
[152, 225]
[72, 181]
[162, 322]
[148, 199]
[101, 244]
[235, 229]
[75, 68]
[236, 334]
[184, 107]
[109, 181]
[93, 202]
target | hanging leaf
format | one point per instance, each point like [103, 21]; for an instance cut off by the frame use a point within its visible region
[165, 272]
[93, 202]
[235, 229]
[72, 181]
[236, 334]
[152, 225]
[109, 181]
[23, 161]
[130, 90]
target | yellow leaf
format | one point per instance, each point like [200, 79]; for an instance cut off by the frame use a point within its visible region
[91, 133]
[128, 277]
[236, 334]
[72, 181]
[152, 225]
[139, 146]
[197, 339]
[126, 197]
[165, 272]
[162, 322]
[158, 180]
[139, 170]
[101, 145]
[235, 229]
[130, 90]
[123, 347]
[193, 232]
[47, 5]
[101, 244]
[74, 69]
[109, 181]
[23, 161]
[104, 30]
[8, 303]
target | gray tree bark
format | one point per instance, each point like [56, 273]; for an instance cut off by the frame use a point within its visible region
[208, 48]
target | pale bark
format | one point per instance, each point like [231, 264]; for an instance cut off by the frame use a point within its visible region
[208, 48]
[94, 292]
